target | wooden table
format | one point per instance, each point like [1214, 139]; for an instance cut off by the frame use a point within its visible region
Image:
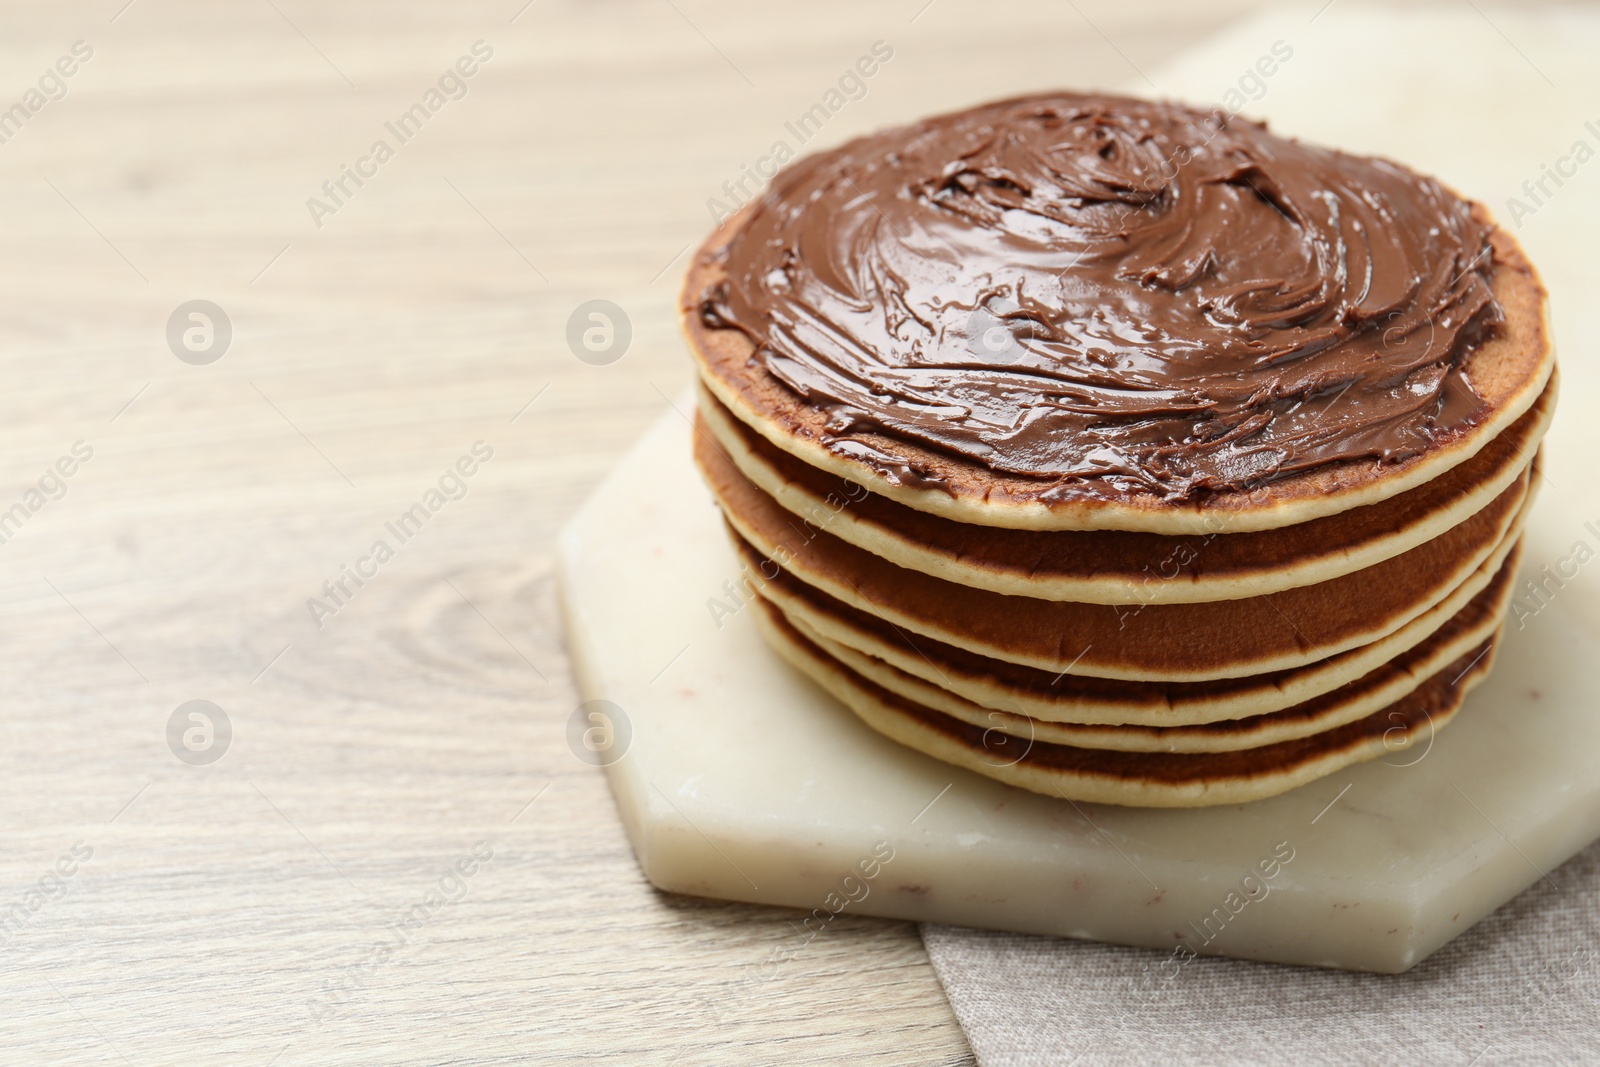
[293, 900]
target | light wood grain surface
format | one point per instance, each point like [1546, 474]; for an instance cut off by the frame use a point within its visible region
[157, 912]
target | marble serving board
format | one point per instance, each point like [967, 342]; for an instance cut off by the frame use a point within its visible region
[739, 779]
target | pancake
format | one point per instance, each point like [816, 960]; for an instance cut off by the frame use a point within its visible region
[1465, 632]
[1137, 778]
[1111, 567]
[1160, 642]
[1049, 696]
[825, 316]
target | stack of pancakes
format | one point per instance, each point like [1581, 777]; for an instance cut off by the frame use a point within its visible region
[1232, 499]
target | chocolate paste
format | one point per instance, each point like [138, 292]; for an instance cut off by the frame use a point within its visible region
[1114, 296]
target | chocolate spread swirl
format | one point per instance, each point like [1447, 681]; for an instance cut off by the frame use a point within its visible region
[1114, 296]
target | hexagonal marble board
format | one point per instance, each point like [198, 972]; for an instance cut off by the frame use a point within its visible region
[742, 780]
[739, 779]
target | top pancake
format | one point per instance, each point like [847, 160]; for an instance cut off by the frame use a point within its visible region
[1507, 369]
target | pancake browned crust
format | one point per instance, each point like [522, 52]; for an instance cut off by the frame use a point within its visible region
[1509, 372]
[1111, 567]
[1465, 632]
[1137, 778]
[1162, 642]
[1052, 696]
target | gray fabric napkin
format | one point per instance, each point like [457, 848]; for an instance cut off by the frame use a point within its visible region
[1523, 986]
